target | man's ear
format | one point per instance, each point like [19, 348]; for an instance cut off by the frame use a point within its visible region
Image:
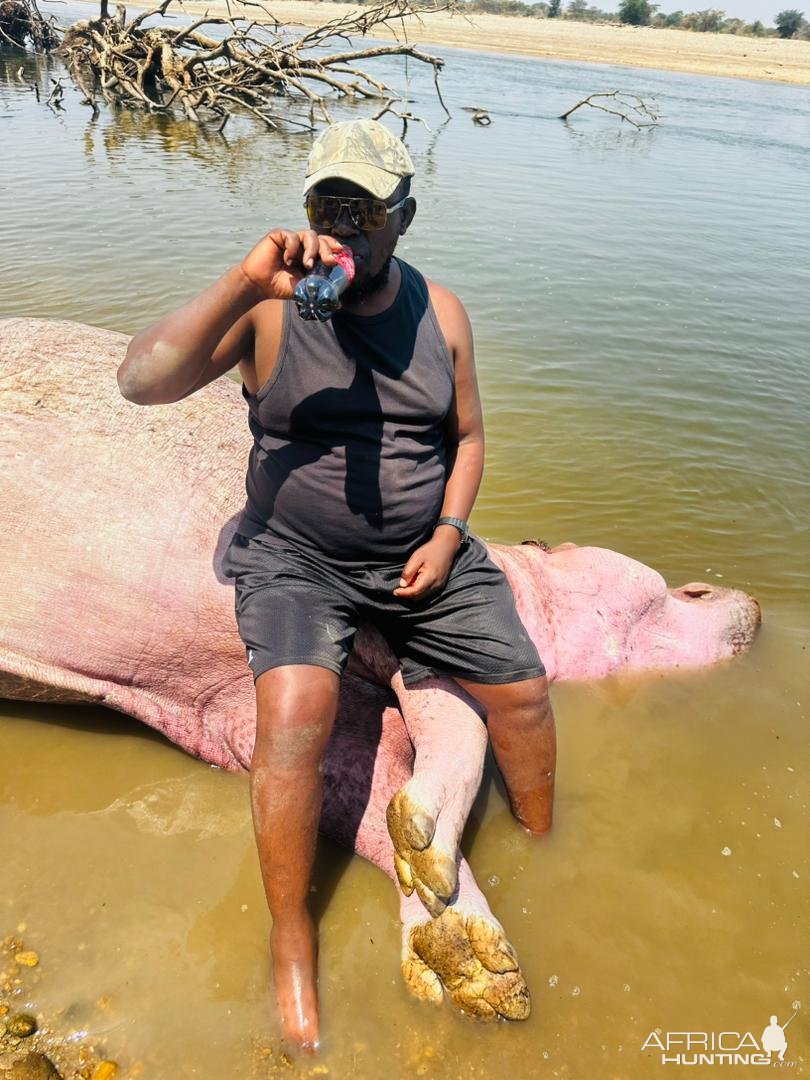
[408, 212]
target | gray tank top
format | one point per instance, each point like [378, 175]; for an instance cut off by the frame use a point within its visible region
[349, 455]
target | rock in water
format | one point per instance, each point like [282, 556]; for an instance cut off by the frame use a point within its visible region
[21, 1025]
[32, 1067]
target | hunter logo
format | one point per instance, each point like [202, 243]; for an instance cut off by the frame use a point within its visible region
[722, 1047]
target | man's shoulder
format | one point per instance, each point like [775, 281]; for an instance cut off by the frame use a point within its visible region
[439, 294]
[450, 312]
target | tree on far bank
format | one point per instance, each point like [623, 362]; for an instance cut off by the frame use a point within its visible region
[636, 12]
[789, 23]
[554, 8]
[709, 21]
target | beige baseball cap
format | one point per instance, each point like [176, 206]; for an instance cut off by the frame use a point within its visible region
[362, 151]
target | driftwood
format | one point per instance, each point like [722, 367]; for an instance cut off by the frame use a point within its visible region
[21, 21]
[627, 105]
[262, 68]
[479, 116]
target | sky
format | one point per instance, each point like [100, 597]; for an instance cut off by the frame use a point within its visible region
[764, 10]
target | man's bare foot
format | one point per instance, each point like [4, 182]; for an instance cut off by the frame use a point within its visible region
[294, 948]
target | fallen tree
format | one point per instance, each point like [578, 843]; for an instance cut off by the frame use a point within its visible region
[21, 21]
[280, 76]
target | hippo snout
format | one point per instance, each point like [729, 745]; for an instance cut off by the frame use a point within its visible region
[701, 590]
[732, 615]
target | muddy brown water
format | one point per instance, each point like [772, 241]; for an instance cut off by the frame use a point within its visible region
[642, 339]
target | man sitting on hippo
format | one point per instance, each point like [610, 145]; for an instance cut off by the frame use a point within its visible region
[367, 458]
[114, 521]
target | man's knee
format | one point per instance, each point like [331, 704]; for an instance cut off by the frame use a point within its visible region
[295, 711]
[527, 699]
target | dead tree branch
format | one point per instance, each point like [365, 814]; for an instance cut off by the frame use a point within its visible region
[627, 105]
[219, 65]
[22, 21]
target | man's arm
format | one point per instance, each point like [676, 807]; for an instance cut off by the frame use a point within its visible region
[427, 569]
[193, 345]
[465, 423]
[213, 332]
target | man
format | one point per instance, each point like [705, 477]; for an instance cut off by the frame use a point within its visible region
[367, 459]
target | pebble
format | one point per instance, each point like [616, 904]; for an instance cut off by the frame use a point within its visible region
[493, 880]
[726, 851]
[777, 823]
[33, 1067]
[21, 1024]
[28, 958]
[553, 980]
[105, 1070]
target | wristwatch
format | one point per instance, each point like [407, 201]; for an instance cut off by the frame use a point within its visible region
[460, 524]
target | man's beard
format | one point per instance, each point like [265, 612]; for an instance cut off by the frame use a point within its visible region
[356, 294]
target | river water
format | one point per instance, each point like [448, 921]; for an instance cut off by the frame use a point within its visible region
[639, 301]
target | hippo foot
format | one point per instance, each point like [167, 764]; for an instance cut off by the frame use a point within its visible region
[427, 816]
[465, 954]
[424, 861]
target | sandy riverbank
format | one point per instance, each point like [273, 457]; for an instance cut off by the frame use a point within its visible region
[770, 59]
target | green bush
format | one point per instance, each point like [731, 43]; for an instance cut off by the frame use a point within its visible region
[789, 23]
[636, 12]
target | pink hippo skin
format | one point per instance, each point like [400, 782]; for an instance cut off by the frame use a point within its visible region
[114, 522]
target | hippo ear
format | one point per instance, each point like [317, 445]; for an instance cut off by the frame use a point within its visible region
[537, 543]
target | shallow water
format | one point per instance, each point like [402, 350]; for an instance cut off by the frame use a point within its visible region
[639, 302]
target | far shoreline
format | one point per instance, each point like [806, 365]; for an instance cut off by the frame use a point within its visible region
[763, 59]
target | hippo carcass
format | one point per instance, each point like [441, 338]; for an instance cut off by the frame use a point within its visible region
[114, 521]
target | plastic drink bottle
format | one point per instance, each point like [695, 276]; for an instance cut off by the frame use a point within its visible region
[317, 296]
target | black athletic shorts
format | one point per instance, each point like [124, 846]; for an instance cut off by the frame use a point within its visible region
[294, 606]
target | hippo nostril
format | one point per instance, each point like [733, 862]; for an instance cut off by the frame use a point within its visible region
[697, 590]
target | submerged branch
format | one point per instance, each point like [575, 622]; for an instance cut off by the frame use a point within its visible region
[626, 104]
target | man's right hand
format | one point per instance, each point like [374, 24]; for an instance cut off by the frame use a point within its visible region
[283, 257]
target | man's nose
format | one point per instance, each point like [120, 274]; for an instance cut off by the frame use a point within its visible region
[344, 226]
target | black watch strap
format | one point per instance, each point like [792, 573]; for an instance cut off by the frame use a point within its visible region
[460, 524]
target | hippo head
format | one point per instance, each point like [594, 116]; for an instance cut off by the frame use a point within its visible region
[592, 612]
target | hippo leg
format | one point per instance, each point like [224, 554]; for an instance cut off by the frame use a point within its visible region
[426, 817]
[464, 952]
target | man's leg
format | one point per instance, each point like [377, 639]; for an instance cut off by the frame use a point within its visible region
[523, 738]
[296, 706]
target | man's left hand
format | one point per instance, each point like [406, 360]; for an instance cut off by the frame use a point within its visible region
[428, 568]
